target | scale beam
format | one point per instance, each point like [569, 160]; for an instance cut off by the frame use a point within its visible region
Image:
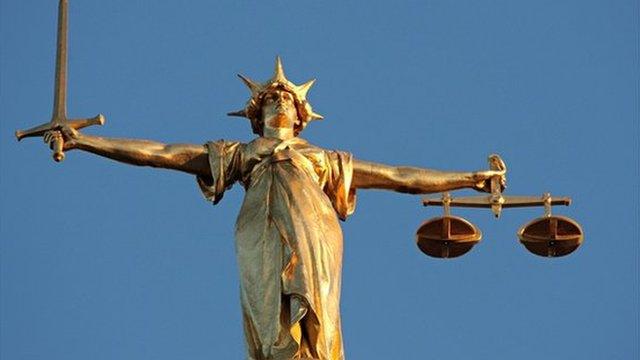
[485, 201]
[496, 201]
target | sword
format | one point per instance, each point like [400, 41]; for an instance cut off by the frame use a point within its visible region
[59, 116]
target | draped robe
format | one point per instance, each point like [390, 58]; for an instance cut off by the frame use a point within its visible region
[288, 242]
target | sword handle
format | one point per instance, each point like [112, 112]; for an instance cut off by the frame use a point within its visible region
[56, 146]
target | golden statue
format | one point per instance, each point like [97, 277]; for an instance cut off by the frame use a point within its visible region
[288, 238]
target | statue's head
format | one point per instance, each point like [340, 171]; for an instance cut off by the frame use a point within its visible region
[279, 102]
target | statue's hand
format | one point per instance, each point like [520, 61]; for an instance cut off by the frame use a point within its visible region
[66, 133]
[483, 179]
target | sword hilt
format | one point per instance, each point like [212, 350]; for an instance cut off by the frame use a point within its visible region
[56, 146]
[59, 118]
[77, 124]
[58, 143]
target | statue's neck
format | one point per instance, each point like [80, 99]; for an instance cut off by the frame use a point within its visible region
[278, 125]
[278, 133]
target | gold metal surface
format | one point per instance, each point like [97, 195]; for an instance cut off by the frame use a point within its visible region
[447, 236]
[496, 163]
[288, 236]
[551, 236]
[59, 116]
[510, 201]
[278, 81]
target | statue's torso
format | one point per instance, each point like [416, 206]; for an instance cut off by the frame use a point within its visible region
[288, 240]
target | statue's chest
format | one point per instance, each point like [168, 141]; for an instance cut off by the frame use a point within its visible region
[290, 162]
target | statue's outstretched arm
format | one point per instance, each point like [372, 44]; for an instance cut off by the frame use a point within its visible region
[369, 175]
[192, 159]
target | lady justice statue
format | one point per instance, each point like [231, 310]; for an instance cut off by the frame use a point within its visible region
[288, 238]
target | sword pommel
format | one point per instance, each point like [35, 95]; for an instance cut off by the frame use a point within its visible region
[56, 146]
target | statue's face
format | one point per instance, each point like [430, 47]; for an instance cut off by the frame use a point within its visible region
[279, 109]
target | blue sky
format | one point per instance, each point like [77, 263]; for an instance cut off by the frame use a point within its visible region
[105, 261]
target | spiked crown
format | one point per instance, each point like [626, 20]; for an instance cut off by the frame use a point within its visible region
[277, 82]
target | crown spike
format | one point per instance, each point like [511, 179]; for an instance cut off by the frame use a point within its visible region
[279, 71]
[303, 89]
[239, 113]
[253, 86]
[278, 81]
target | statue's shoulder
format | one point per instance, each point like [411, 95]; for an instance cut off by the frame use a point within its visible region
[225, 142]
[307, 146]
[224, 147]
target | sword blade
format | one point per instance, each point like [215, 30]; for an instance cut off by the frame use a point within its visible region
[60, 86]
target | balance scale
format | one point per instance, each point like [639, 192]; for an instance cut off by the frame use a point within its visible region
[451, 236]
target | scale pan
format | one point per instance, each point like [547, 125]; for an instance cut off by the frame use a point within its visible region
[447, 236]
[551, 236]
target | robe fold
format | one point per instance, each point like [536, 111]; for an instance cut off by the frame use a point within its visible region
[288, 242]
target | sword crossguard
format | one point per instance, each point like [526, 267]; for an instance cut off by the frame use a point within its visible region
[57, 124]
